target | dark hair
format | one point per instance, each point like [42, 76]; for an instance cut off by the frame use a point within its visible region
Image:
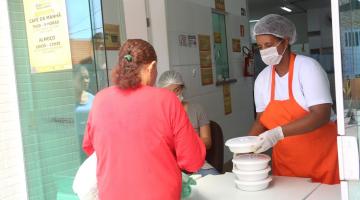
[132, 56]
[77, 70]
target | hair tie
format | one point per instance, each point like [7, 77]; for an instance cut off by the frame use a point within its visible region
[128, 57]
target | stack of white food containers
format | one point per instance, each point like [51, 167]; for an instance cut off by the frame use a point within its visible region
[251, 170]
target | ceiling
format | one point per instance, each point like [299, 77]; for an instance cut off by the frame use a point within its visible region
[260, 8]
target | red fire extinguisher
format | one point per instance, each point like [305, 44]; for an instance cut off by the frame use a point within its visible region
[248, 62]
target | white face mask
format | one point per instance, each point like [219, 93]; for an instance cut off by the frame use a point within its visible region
[270, 56]
[181, 97]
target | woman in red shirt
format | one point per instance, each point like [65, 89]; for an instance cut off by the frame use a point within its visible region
[141, 134]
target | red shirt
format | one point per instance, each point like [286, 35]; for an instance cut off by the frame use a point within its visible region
[142, 139]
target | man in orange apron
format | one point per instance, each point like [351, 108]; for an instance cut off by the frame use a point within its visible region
[294, 122]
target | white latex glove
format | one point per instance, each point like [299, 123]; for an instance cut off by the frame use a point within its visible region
[269, 138]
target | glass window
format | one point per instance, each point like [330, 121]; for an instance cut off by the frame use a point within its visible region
[220, 46]
[54, 105]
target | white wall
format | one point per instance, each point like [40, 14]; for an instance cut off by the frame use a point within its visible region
[318, 20]
[12, 171]
[158, 32]
[301, 23]
[135, 19]
[194, 17]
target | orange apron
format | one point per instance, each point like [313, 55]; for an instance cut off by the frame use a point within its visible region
[313, 154]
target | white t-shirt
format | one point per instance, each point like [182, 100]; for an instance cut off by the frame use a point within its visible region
[310, 85]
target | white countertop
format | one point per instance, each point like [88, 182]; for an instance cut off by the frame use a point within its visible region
[328, 192]
[222, 187]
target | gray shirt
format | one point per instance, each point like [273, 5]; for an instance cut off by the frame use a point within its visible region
[197, 116]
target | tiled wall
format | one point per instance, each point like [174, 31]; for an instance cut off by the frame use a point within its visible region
[12, 176]
[47, 104]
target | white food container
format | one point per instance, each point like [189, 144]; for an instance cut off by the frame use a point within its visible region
[246, 144]
[250, 162]
[252, 186]
[251, 175]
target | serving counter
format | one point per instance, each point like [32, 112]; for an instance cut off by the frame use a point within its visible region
[222, 187]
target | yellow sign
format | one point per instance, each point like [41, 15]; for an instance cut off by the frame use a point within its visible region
[112, 37]
[47, 35]
[220, 5]
[217, 37]
[227, 99]
[204, 43]
[236, 47]
[205, 60]
[206, 76]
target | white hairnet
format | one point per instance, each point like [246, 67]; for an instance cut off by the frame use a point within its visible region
[169, 78]
[276, 25]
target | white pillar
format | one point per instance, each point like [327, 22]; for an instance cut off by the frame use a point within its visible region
[12, 170]
[159, 33]
[135, 19]
[136, 12]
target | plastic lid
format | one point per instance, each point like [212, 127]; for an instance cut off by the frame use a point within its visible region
[266, 170]
[242, 141]
[250, 158]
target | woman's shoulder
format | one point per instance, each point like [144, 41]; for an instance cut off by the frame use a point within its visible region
[263, 75]
[160, 95]
[143, 89]
[196, 109]
[89, 94]
[307, 65]
[306, 61]
[303, 58]
[195, 106]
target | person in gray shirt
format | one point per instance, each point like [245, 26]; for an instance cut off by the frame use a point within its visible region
[173, 81]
